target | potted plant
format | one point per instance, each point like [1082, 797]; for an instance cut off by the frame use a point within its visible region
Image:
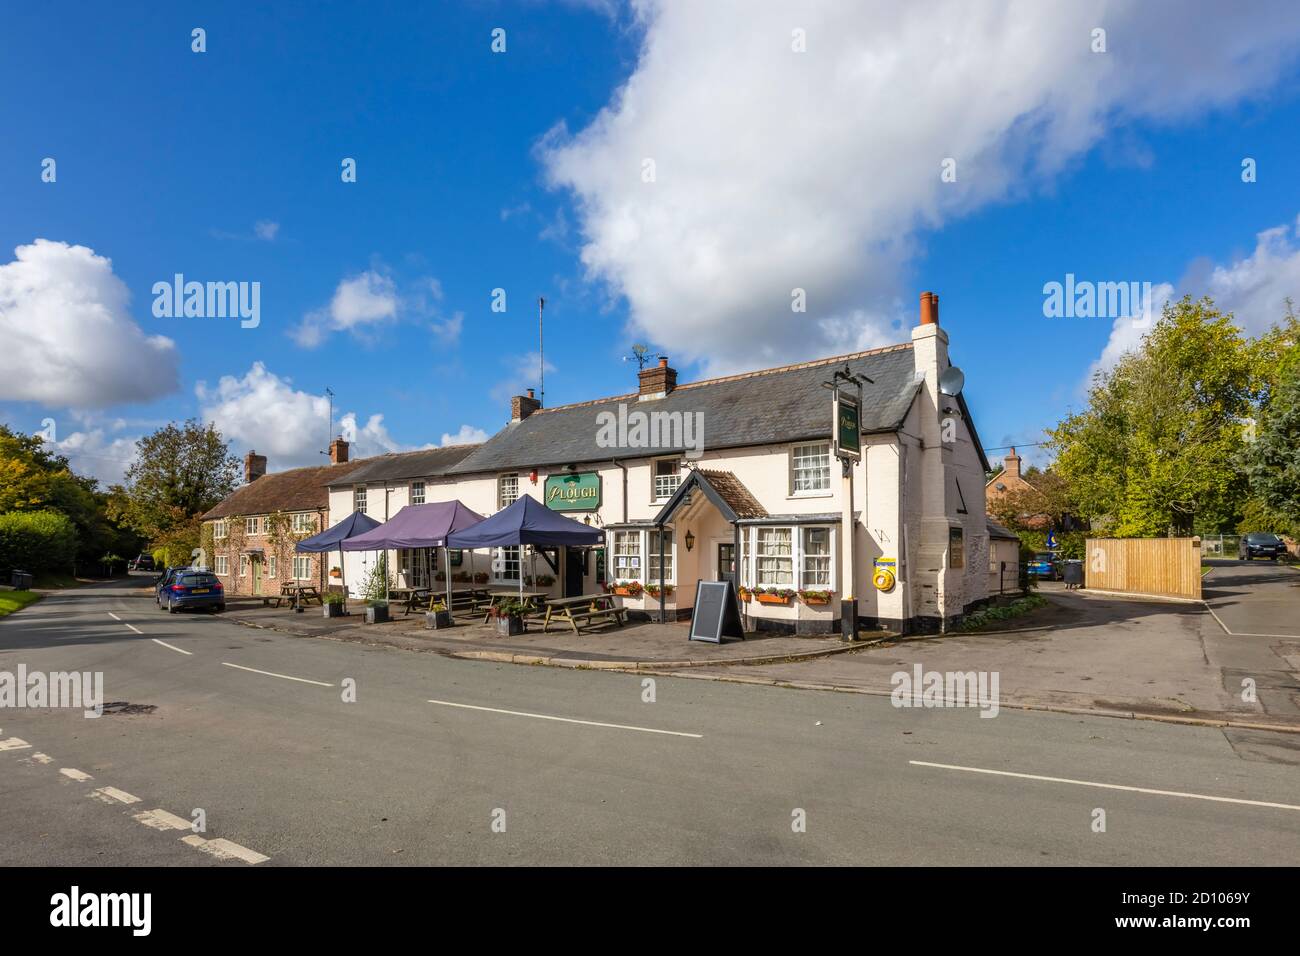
[774, 595]
[508, 617]
[745, 593]
[815, 598]
[334, 605]
[628, 589]
[481, 577]
[336, 572]
[545, 580]
[376, 612]
[653, 590]
[437, 617]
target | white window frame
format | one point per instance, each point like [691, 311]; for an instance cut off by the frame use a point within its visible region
[220, 530]
[749, 557]
[517, 560]
[759, 580]
[222, 566]
[253, 526]
[302, 572]
[503, 482]
[633, 573]
[303, 521]
[804, 577]
[656, 494]
[271, 561]
[821, 492]
[651, 551]
[417, 493]
[243, 565]
[359, 495]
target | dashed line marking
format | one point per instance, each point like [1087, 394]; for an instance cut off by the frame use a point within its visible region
[112, 794]
[42, 758]
[254, 670]
[1109, 786]
[225, 850]
[567, 720]
[172, 647]
[160, 819]
[78, 775]
[114, 616]
[14, 743]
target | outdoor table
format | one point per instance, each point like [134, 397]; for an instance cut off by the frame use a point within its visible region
[298, 594]
[601, 607]
[496, 596]
[409, 596]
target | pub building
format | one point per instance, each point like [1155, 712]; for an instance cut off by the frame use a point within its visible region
[727, 478]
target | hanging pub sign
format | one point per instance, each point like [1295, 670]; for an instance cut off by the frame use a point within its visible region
[576, 491]
[848, 426]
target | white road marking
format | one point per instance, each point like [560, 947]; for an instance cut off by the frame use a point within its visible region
[172, 647]
[567, 720]
[75, 774]
[114, 616]
[13, 743]
[161, 820]
[110, 794]
[1109, 786]
[254, 670]
[225, 850]
[42, 758]
[134, 628]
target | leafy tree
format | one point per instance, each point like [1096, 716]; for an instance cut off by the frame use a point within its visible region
[1048, 500]
[179, 473]
[1272, 461]
[1156, 450]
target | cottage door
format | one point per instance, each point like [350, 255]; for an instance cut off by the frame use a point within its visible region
[256, 571]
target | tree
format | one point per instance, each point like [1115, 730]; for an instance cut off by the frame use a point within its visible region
[1156, 450]
[1047, 502]
[180, 472]
[1272, 461]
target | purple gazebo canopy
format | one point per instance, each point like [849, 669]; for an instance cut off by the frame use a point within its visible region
[416, 526]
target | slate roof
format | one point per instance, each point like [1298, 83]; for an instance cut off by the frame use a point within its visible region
[773, 406]
[400, 466]
[998, 531]
[298, 489]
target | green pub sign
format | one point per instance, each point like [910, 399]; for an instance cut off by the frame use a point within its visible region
[579, 491]
[848, 426]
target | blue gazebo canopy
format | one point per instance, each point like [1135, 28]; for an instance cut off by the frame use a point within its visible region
[331, 538]
[526, 521]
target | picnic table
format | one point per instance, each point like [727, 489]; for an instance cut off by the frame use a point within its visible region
[585, 609]
[409, 596]
[498, 595]
[298, 595]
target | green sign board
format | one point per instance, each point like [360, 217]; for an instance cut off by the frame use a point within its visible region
[848, 427]
[579, 491]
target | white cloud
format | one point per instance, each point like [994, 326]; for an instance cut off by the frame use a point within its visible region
[468, 435]
[1127, 332]
[522, 375]
[359, 301]
[97, 454]
[266, 230]
[69, 336]
[264, 412]
[447, 331]
[818, 170]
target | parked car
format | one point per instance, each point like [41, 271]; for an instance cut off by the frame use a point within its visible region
[162, 581]
[144, 562]
[190, 587]
[1260, 545]
[1046, 564]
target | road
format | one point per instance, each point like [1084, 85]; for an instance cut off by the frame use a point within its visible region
[440, 761]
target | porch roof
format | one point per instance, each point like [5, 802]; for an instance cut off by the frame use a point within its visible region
[727, 493]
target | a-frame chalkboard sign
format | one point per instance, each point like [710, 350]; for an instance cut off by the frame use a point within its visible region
[717, 612]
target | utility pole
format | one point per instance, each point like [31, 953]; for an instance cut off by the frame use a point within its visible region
[846, 445]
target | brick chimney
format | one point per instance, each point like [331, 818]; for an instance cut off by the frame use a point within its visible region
[521, 406]
[657, 381]
[254, 466]
[338, 451]
[1011, 464]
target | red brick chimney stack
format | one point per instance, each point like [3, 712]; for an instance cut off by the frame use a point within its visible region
[338, 451]
[254, 466]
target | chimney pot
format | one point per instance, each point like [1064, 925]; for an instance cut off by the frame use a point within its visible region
[530, 393]
[658, 380]
[929, 308]
[663, 361]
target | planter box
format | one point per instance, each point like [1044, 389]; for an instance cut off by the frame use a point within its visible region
[437, 620]
[509, 626]
[334, 610]
[376, 614]
[772, 599]
[817, 602]
[628, 592]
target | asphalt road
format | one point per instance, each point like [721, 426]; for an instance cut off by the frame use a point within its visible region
[252, 727]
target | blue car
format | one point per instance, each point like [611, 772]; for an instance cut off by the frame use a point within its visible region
[1045, 564]
[190, 588]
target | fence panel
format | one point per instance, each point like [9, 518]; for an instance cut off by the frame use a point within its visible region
[1165, 567]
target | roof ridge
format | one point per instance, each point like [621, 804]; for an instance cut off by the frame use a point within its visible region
[740, 376]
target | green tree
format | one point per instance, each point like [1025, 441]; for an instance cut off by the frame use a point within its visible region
[1272, 461]
[1156, 451]
[179, 473]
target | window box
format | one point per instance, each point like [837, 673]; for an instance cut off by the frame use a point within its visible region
[336, 572]
[653, 590]
[816, 598]
[628, 589]
[745, 594]
[774, 595]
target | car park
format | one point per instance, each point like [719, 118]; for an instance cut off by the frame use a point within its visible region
[1260, 545]
[192, 588]
[1046, 564]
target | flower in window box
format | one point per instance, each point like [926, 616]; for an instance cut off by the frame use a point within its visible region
[628, 589]
[653, 590]
[815, 598]
[336, 572]
[774, 595]
[746, 593]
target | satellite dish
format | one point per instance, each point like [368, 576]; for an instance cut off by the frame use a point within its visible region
[952, 381]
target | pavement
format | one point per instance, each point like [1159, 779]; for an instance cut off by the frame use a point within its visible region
[338, 752]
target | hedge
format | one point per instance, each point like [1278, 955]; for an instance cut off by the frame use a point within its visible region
[36, 541]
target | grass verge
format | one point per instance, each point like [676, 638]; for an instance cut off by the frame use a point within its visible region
[995, 615]
[11, 601]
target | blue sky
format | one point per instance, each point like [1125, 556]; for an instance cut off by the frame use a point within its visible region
[479, 170]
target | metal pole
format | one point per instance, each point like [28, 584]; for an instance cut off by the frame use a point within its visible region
[848, 603]
[663, 610]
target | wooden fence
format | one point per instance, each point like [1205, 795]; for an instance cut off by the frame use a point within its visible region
[1165, 567]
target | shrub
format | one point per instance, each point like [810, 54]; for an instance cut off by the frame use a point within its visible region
[37, 541]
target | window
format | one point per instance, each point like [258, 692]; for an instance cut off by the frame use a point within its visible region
[652, 558]
[413, 564]
[667, 476]
[774, 557]
[505, 564]
[220, 529]
[810, 469]
[816, 558]
[243, 565]
[359, 498]
[223, 565]
[253, 525]
[270, 566]
[627, 555]
[417, 492]
[507, 490]
[304, 521]
[302, 566]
